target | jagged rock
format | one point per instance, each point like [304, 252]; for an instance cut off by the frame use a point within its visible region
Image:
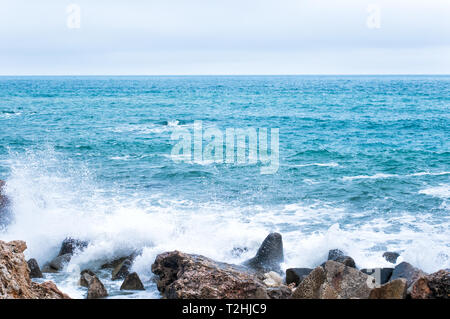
[384, 274]
[434, 286]
[132, 282]
[407, 271]
[296, 275]
[334, 281]
[71, 245]
[15, 282]
[58, 263]
[35, 271]
[86, 277]
[391, 256]
[122, 270]
[96, 289]
[395, 289]
[269, 255]
[238, 251]
[185, 276]
[338, 256]
[117, 261]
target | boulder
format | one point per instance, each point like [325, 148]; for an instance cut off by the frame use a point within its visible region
[434, 286]
[35, 271]
[382, 275]
[407, 271]
[15, 281]
[338, 256]
[391, 256]
[59, 262]
[86, 277]
[296, 275]
[111, 264]
[96, 289]
[269, 255]
[71, 246]
[334, 281]
[395, 289]
[185, 276]
[122, 270]
[132, 282]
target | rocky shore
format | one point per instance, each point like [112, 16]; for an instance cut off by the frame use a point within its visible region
[186, 276]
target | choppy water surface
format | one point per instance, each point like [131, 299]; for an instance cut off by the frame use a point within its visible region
[364, 166]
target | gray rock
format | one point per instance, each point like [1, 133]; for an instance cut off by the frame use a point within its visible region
[58, 263]
[408, 272]
[391, 256]
[269, 255]
[338, 256]
[86, 277]
[296, 275]
[132, 282]
[96, 289]
[122, 270]
[384, 273]
[35, 271]
[71, 245]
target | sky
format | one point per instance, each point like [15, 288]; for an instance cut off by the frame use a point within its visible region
[177, 37]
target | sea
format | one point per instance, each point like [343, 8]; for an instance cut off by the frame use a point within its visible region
[363, 166]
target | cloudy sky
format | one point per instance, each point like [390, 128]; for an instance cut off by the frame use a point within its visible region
[224, 37]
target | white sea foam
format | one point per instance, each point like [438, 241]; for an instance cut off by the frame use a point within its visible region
[383, 175]
[441, 191]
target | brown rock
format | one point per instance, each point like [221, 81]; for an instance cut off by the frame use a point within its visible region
[395, 289]
[122, 270]
[96, 289]
[86, 277]
[334, 281]
[132, 282]
[15, 282]
[434, 286]
[184, 276]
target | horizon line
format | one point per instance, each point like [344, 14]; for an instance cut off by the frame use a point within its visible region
[173, 75]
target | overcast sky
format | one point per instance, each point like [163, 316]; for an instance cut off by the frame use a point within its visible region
[225, 37]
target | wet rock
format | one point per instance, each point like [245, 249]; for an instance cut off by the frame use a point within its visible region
[269, 255]
[117, 261]
[395, 289]
[58, 263]
[334, 281]
[185, 276]
[434, 286]
[381, 274]
[132, 282]
[122, 270]
[71, 246]
[407, 271]
[391, 256]
[86, 277]
[338, 256]
[96, 289]
[296, 275]
[35, 271]
[15, 281]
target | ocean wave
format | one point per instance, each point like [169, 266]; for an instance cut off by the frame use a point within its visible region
[442, 191]
[383, 175]
[331, 164]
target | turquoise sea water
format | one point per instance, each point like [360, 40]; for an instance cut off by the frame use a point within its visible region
[364, 166]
